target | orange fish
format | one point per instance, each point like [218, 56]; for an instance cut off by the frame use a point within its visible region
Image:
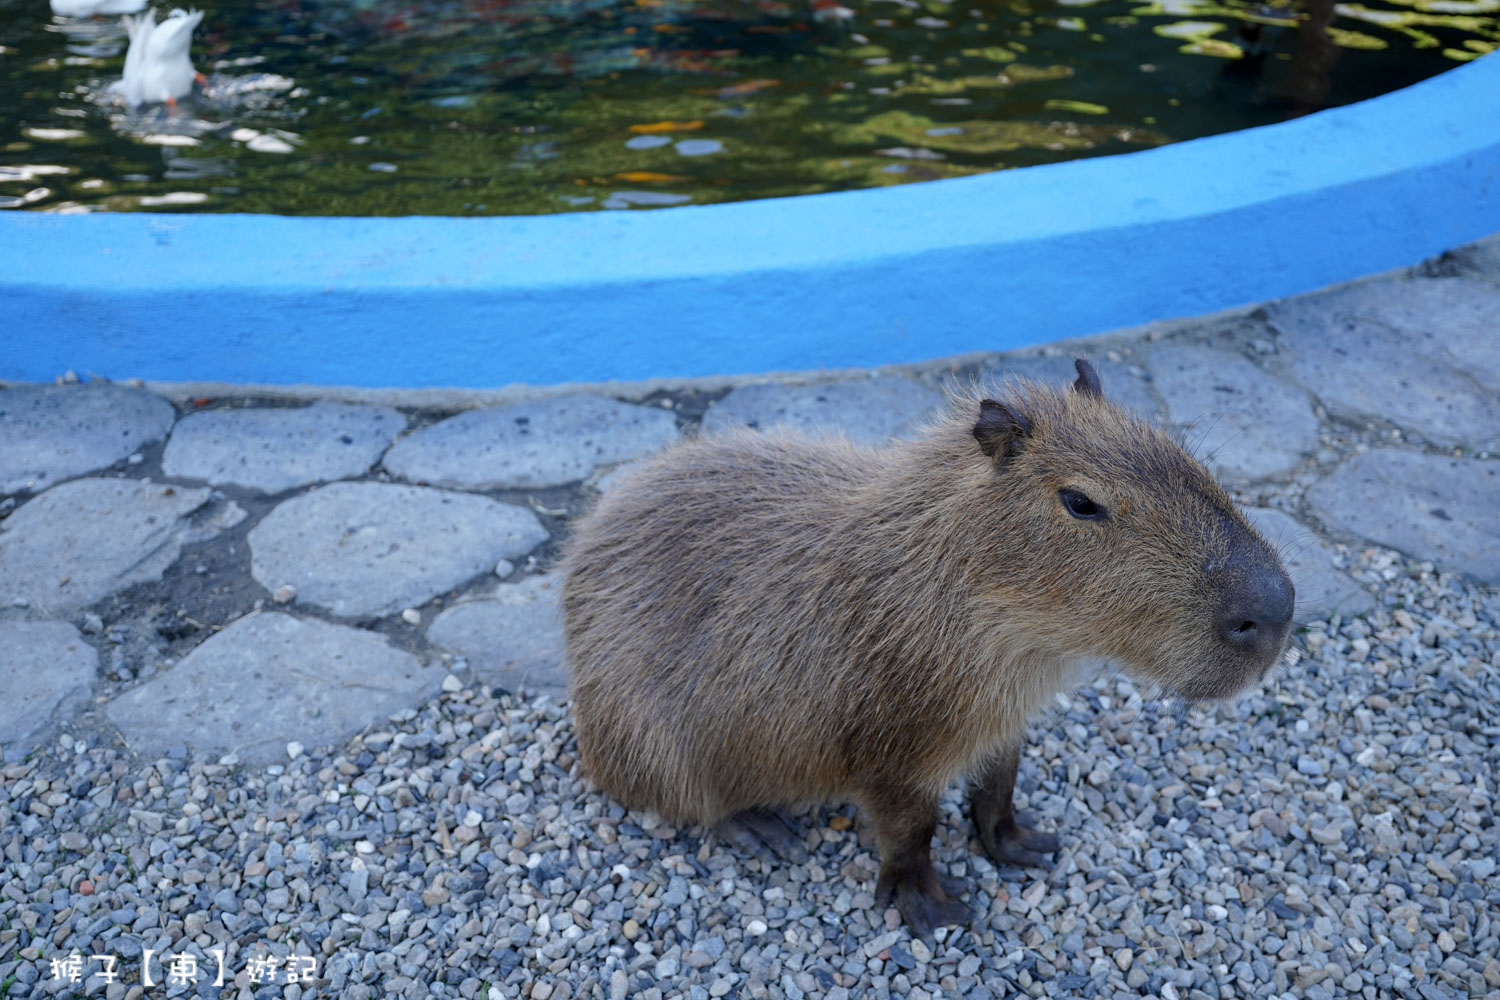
[747, 87]
[651, 128]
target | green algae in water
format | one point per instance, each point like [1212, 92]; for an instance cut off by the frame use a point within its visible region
[487, 107]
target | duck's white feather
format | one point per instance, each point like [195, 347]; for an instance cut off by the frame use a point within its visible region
[157, 65]
[138, 29]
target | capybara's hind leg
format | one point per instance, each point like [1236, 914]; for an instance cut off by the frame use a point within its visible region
[990, 805]
[762, 831]
[905, 819]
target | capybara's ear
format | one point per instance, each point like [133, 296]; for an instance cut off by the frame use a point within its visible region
[1088, 379]
[1001, 431]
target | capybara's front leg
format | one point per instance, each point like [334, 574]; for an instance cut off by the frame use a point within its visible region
[905, 819]
[990, 805]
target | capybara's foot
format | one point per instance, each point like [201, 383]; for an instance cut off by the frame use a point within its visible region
[905, 819]
[1009, 843]
[1037, 840]
[765, 831]
[922, 900]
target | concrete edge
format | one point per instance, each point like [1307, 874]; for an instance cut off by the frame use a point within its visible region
[460, 398]
[929, 369]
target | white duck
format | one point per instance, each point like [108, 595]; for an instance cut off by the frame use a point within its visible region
[87, 8]
[157, 67]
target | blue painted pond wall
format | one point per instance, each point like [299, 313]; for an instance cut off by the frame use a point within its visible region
[851, 279]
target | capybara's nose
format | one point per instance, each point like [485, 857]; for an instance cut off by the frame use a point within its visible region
[1257, 614]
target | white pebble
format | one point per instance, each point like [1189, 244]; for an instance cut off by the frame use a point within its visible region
[269, 144]
[293, 750]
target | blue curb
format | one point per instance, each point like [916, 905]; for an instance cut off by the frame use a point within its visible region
[853, 279]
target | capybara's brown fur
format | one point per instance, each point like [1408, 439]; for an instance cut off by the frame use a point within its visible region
[767, 619]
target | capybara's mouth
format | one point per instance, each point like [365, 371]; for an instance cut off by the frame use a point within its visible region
[1228, 683]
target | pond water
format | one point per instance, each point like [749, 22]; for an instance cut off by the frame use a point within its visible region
[489, 107]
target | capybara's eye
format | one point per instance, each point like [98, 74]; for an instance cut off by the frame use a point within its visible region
[1081, 506]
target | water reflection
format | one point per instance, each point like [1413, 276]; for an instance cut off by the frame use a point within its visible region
[651, 199]
[180, 167]
[493, 106]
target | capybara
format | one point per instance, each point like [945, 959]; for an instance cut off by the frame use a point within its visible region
[767, 619]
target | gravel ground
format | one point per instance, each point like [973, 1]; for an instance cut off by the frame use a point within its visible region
[1332, 834]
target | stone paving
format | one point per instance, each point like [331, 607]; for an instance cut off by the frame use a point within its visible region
[212, 573]
[277, 450]
[548, 443]
[870, 410]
